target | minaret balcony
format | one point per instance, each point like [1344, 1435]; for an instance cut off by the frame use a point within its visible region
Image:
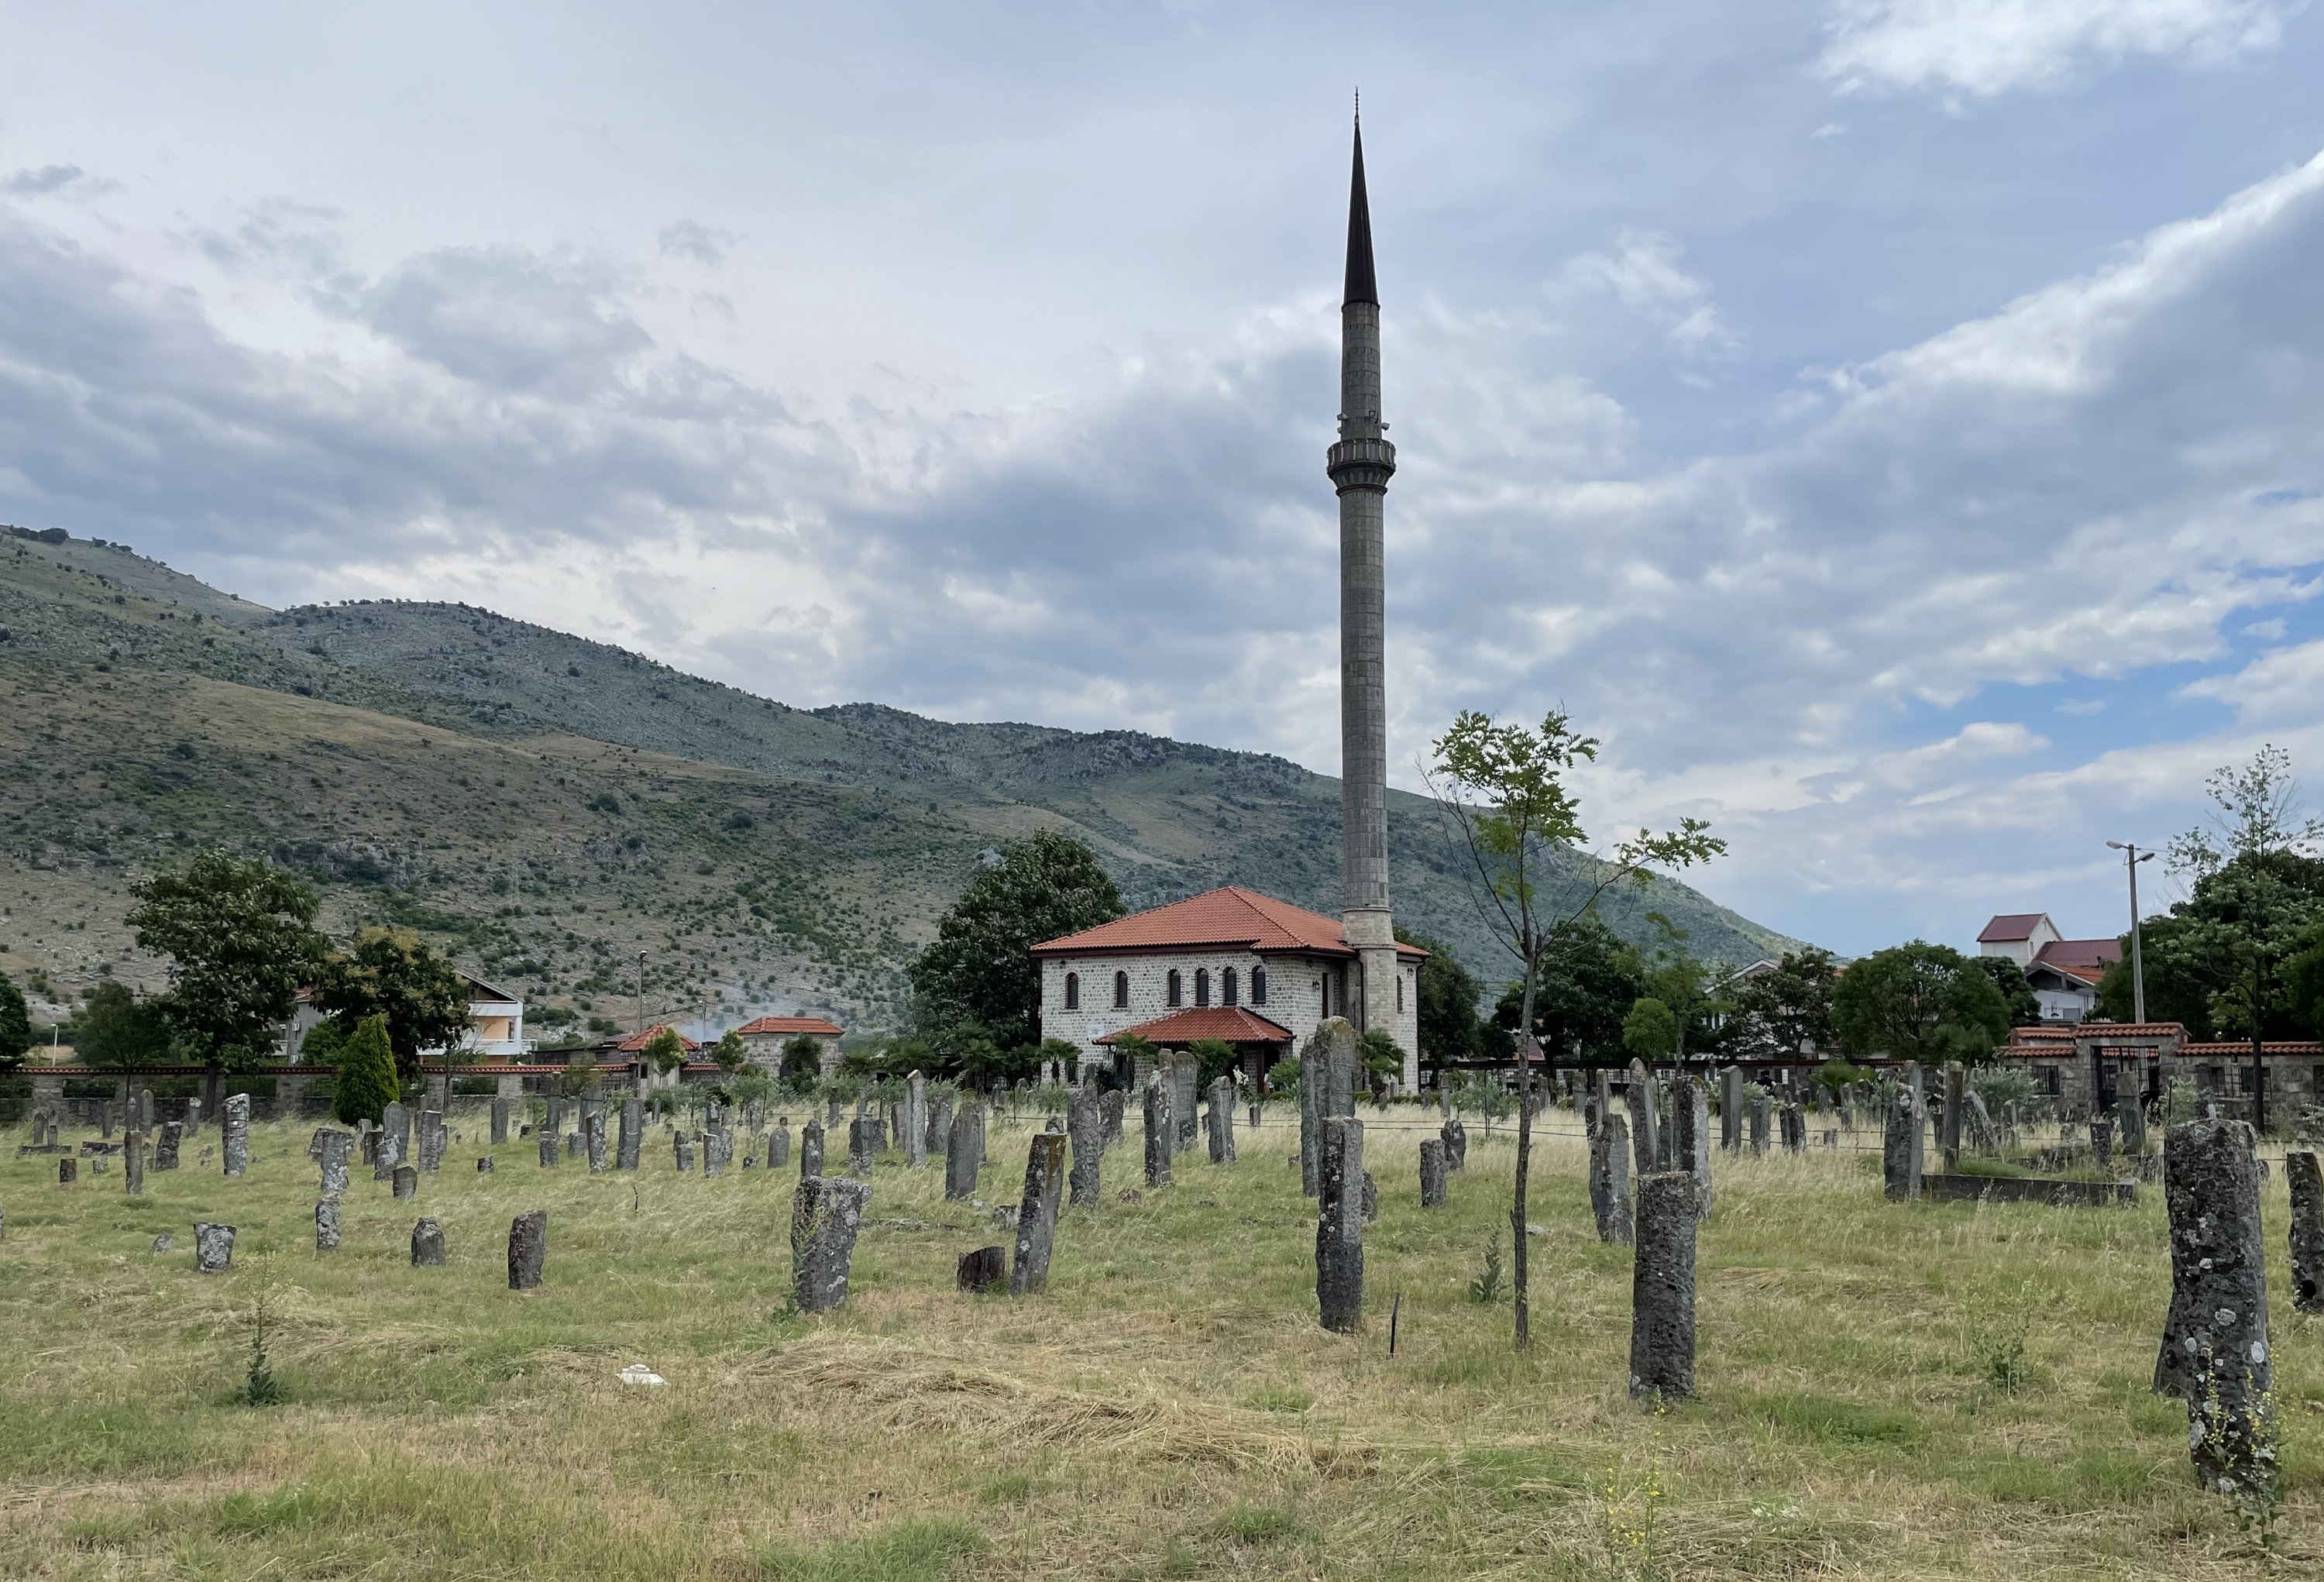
[1361, 464]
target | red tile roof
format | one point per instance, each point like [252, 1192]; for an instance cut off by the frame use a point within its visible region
[1228, 916]
[636, 1042]
[2295, 1046]
[789, 1027]
[2009, 927]
[1230, 1023]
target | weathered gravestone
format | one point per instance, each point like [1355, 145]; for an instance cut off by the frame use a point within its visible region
[1950, 1125]
[407, 1181]
[573, 1145]
[1730, 1110]
[1690, 1136]
[133, 1162]
[863, 1142]
[937, 1136]
[1340, 1223]
[717, 1152]
[235, 1140]
[431, 1141]
[1110, 1107]
[811, 1149]
[1794, 1125]
[1638, 1098]
[1900, 1149]
[2102, 1141]
[484, 1164]
[1661, 1287]
[2130, 1122]
[327, 1225]
[633, 1134]
[1037, 1214]
[593, 1134]
[1610, 1181]
[427, 1244]
[965, 1154]
[983, 1269]
[547, 1143]
[1763, 1109]
[681, 1148]
[2214, 1344]
[395, 1120]
[827, 1211]
[1219, 1120]
[1085, 1126]
[1456, 1137]
[1432, 1173]
[1159, 1132]
[915, 1121]
[67, 1170]
[213, 1247]
[2302, 1175]
[1185, 1100]
[778, 1144]
[1370, 1198]
[333, 1150]
[528, 1249]
[500, 1121]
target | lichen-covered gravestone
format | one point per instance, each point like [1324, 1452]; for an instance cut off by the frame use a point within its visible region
[133, 1162]
[213, 1247]
[500, 1121]
[1638, 1098]
[1900, 1149]
[327, 1225]
[2302, 1175]
[1690, 1137]
[427, 1244]
[827, 1211]
[1661, 1287]
[2215, 1342]
[1432, 1173]
[963, 1155]
[333, 1149]
[681, 1148]
[1610, 1181]
[1085, 1126]
[1159, 1132]
[593, 1130]
[983, 1269]
[1219, 1120]
[1109, 1107]
[528, 1249]
[778, 1146]
[1730, 1110]
[1456, 1144]
[633, 1131]
[407, 1181]
[236, 1137]
[165, 1148]
[546, 1145]
[1340, 1223]
[1037, 1214]
[863, 1144]
[811, 1149]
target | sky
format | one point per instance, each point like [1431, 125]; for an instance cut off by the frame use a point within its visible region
[1895, 428]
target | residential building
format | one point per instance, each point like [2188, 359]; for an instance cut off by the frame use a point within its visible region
[2064, 973]
[766, 1037]
[495, 1024]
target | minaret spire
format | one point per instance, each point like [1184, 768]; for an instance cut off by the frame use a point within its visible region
[1360, 465]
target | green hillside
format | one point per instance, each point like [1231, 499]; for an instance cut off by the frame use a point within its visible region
[549, 807]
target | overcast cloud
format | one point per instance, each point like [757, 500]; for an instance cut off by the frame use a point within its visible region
[1891, 424]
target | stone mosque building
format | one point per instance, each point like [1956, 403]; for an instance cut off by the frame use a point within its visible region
[1232, 964]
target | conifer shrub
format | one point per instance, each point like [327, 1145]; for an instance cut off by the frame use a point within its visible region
[366, 1082]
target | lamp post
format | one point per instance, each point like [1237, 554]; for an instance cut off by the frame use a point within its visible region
[2131, 857]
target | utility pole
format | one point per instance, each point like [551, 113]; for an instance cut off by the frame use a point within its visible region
[640, 1002]
[2132, 856]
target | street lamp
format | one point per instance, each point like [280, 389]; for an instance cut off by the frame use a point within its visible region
[2131, 857]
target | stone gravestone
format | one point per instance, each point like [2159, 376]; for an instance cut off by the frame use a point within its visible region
[1690, 1136]
[332, 1156]
[1432, 1173]
[133, 1162]
[327, 1225]
[386, 1155]
[1340, 1223]
[548, 1149]
[681, 1148]
[1110, 1107]
[573, 1145]
[2215, 1347]
[717, 1152]
[2130, 1122]
[963, 1153]
[1793, 1126]
[1662, 1289]
[395, 1120]
[915, 1121]
[827, 1211]
[528, 1249]
[983, 1269]
[431, 1141]
[593, 1132]
[1456, 1137]
[500, 1121]
[633, 1132]
[1900, 1149]
[1159, 1132]
[863, 1143]
[1220, 1121]
[2102, 1141]
[2302, 1175]
[484, 1164]
[1763, 1107]
[1949, 1127]
[1610, 1181]
[937, 1136]
[213, 1247]
[1638, 1098]
[1978, 1123]
[427, 1244]
[1037, 1214]
[193, 1116]
[778, 1144]
[1371, 1198]
[1730, 1110]
[811, 1147]
[407, 1181]
[67, 1170]
[236, 1143]
[104, 1112]
[1085, 1126]
[1185, 1100]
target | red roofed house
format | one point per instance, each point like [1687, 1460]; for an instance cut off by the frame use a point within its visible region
[765, 1039]
[2064, 973]
[1227, 963]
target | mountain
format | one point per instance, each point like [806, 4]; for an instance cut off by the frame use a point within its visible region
[548, 807]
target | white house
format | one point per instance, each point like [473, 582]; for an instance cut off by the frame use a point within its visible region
[495, 1024]
[1229, 964]
[2064, 973]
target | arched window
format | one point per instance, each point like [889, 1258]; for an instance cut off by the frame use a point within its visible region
[1259, 985]
[1171, 992]
[1072, 991]
[1122, 990]
[1227, 988]
[1202, 986]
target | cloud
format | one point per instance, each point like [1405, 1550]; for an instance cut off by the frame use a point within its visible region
[1982, 48]
[55, 181]
[699, 242]
[1643, 274]
[508, 318]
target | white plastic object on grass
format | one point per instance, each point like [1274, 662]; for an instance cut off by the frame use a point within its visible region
[639, 1374]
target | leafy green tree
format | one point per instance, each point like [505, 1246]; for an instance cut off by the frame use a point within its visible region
[2017, 996]
[1785, 1011]
[1919, 1001]
[365, 1084]
[802, 1061]
[980, 970]
[240, 935]
[665, 1050]
[1588, 981]
[16, 1023]
[1214, 1058]
[1650, 1031]
[1449, 994]
[1502, 788]
[729, 1053]
[392, 973]
[1283, 1076]
[323, 1042]
[118, 1029]
[749, 1085]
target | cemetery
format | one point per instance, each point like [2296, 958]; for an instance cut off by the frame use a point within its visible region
[1026, 1334]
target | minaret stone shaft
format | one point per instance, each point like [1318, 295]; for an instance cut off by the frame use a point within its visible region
[1360, 467]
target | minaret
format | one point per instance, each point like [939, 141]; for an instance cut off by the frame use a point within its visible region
[1360, 467]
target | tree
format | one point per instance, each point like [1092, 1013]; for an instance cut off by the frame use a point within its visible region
[665, 1050]
[1449, 994]
[980, 971]
[1586, 984]
[16, 1023]
[391, 973]
[1382, 1055]
[2017, 997]
[2256, 852]
[729, 1053]
[1215, 1058]
[1502, 787]
[1919, 1001]
[118, 1029]
[323, 1042]
[366, 1082]
[1650, 1031]
[1785, 1011]
[802, 1061]
[240, 935]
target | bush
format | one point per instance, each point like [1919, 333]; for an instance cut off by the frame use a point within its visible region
[366, 1077]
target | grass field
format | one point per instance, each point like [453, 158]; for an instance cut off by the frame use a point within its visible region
[1922, 1391]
